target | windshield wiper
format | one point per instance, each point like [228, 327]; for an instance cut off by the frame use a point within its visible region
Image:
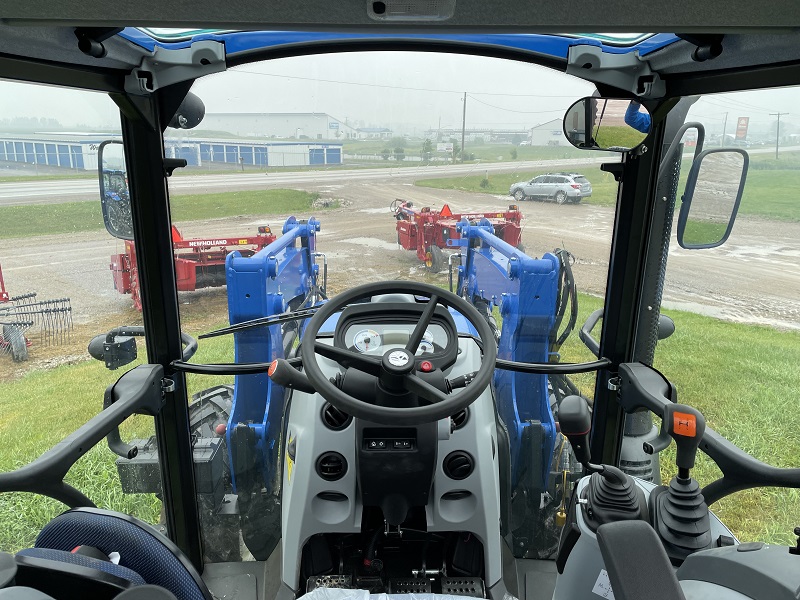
[262, 322]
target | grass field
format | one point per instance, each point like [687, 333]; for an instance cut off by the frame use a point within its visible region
[44, 406]
[604, 188]
[73, 217]
[769, 192]
[717, 367]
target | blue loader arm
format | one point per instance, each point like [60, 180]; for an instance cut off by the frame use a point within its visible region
[493, 273]
[279, 278]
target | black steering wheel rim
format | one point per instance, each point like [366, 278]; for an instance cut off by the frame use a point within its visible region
[392, 415]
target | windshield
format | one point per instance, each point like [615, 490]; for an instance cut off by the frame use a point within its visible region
[308, 176]
[389, 151]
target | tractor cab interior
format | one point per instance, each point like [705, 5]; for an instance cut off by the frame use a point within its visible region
[573, 331]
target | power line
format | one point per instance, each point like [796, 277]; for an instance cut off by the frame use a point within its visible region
[524, 112]
[728, 104]
[392, 87]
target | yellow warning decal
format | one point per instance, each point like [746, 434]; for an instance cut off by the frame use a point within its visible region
[289, 458]
[242, 242]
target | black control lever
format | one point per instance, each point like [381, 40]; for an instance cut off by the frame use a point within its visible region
[283, 373]
[460, 382]
[575, 422]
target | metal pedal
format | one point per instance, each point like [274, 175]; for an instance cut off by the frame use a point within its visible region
[463, 586]
[329, 581]
[409, 586]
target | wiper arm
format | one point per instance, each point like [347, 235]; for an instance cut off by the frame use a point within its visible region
[262, 322]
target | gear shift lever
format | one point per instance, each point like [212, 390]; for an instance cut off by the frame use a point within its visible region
[576, 423]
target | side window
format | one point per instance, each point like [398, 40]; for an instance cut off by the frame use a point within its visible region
[736, 308]
[63, 281]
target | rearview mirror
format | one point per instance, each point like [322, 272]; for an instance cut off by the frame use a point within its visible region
[713, 192]
[115, 198]
[611, 124]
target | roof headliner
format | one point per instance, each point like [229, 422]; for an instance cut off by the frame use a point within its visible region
[470, 15]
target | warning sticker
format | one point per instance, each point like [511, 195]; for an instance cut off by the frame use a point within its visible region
[602, 587]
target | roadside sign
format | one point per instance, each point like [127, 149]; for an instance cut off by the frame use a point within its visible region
[741, 127]
[446, 147]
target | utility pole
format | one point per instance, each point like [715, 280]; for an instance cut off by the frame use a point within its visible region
[724, 129]
[463, 125]
[777, 131]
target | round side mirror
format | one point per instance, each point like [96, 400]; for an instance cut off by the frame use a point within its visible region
[609, 124]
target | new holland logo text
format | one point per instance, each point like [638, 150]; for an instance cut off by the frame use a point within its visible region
[210, 243]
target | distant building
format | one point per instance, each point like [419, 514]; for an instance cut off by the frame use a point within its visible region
[78, 151]
[297, 126]
[481, 135]
[374, 133]
[548, 134]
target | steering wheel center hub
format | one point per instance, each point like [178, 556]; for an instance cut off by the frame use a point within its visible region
[398, 361]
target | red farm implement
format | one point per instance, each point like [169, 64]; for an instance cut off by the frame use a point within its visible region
[199, 263]
[21, 314]
[426, 230]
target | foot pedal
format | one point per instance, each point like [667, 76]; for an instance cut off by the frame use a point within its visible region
[329, 581]
[409, 586]
[463, 586]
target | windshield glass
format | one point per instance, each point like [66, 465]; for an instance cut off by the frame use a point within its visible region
[388, 151]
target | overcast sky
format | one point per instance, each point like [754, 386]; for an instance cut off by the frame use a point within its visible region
[397, 90]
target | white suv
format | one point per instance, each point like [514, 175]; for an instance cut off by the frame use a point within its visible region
[560, 187]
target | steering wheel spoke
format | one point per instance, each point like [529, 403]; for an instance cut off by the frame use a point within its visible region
[422, 326]
[423, 389]
[368, 364]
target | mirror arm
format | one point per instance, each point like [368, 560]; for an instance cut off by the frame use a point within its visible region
[669, 155]
[614, 168]
[170, 164]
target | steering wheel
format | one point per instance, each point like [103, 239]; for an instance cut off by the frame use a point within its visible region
[396, 369]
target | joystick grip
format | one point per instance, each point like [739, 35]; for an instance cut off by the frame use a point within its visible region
[686, 426]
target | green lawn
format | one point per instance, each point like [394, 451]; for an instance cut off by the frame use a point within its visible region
[47, 177]
[73, 217]
[44, 406]
[769, 193]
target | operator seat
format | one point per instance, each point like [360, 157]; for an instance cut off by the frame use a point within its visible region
[146, 556]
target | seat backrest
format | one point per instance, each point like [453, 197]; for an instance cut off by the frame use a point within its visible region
[141, 548]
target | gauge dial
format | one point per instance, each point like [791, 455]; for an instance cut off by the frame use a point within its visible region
[426, 345]
[367, 340]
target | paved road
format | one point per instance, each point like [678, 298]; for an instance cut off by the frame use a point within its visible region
[71, 190]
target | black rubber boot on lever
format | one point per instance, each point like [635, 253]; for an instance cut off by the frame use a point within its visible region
[610, 495]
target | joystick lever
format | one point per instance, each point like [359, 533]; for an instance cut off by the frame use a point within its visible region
[686, 426]
[679, 512]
